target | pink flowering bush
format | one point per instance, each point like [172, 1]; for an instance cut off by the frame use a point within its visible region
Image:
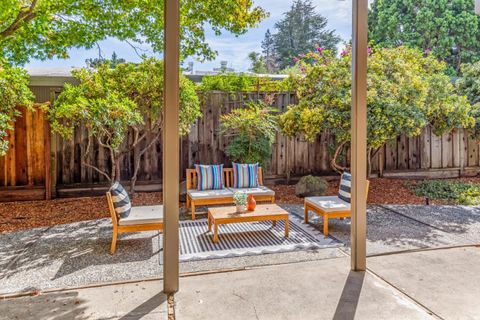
[407, 91]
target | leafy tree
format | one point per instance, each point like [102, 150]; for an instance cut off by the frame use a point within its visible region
[406, 92]
[253, 128]
[14, 91]
[469, 84]
[257, 63]
[96, 62]
[112, 102]
[268, 50]
[448, 28]
[43, 29]
[299, 32]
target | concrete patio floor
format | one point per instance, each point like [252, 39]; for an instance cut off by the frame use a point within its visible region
[432, 284]
[76, 254]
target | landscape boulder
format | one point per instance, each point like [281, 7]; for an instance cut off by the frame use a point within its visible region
[311, 186]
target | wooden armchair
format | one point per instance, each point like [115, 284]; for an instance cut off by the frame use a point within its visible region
[144, 218]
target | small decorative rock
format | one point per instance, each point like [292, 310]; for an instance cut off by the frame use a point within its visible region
[310, 186]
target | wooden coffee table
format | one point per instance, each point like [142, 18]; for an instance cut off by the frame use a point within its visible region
[225, 215]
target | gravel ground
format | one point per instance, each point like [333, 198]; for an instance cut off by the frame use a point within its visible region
[76, 254]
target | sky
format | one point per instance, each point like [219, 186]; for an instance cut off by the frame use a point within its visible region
[230, 48]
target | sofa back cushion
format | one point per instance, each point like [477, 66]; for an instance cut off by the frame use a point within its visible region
[121, 200]
[344, 190]
[209, 177]
[245, 175]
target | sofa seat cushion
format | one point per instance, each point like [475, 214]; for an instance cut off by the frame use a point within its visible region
[210, 194]
[143, 215]
[258, 191]
[328, 204]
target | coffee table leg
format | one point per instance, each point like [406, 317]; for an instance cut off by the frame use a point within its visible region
[215, 232]
[274, 223]
[286, 228]
[209, 223]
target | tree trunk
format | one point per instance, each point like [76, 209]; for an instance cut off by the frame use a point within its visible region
[369, 162]
[136, 165]
[333, 163]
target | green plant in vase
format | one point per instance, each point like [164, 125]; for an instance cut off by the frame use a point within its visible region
[240, 200]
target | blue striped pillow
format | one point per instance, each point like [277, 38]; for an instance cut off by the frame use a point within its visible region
[121, 200]
[245, 175]
[344, 191]
[209, 177]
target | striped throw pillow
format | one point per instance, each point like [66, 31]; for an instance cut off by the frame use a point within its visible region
[209, 177]
[344, 191]
[245, 175]
[121, 200]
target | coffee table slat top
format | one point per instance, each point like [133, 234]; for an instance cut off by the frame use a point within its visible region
[264, 210]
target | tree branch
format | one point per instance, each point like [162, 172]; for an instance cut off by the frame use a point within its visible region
[23, 16]
[86, 164]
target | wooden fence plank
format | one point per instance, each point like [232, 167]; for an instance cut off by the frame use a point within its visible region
[447, 150]
[472, 152]
[436, 155]
[413, 153]
[403, 153]
[425, 148]
[391, 155]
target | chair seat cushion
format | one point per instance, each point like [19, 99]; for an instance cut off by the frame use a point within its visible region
[210, 194]
[258, 191]
[328, 204]
[143, 215]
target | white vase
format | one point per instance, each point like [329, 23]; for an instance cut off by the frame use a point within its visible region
[241, 208]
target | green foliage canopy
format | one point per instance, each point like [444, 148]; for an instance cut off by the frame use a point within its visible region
[253, 128]
[112, 101]
[14, 91]
[448, 28]
[406, 91]
[44, 29]
[300, 31]
[469, 85]
[257, 63]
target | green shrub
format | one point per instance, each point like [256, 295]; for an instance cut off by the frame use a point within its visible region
[455, 192]
[233, 82]
[253, 128]
[14, 91]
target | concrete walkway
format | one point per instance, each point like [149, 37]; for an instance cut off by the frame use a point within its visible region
[433, 284]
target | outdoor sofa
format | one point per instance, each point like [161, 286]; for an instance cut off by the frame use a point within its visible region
[223, 196]
[332, 206]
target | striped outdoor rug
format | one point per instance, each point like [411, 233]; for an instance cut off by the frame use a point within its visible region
[253, 238]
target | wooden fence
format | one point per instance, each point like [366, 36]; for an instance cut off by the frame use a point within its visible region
[27, 163]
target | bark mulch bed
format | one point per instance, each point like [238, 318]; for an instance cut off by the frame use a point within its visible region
[382, 191]
[16, 216]
[33, 214]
